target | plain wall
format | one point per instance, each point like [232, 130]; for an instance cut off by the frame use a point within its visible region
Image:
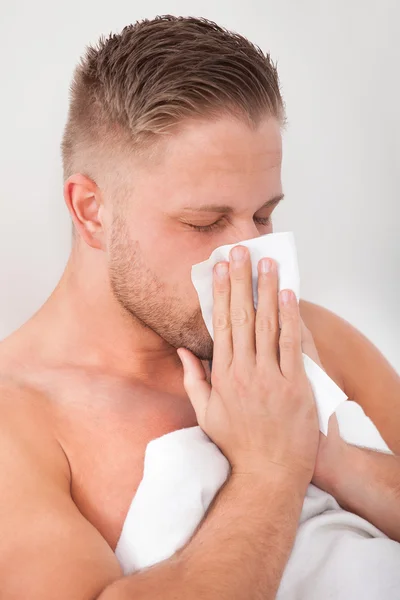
[339, 69]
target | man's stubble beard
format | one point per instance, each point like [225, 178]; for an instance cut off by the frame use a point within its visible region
[145, 298]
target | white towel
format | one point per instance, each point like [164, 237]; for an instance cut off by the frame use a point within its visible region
[337, 555]
[183, 471]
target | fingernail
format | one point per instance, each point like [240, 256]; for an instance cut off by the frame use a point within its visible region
[238, 253]
[222, 269]
[265, 265]
[286, 296]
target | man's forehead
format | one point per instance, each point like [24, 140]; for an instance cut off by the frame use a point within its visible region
[222, 145]
[227, 209]
[216, 167]
[227, 140]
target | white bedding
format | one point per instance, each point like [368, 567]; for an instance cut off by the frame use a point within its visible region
[337, 555]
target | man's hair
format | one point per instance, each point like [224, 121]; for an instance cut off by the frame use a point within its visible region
[141, 82]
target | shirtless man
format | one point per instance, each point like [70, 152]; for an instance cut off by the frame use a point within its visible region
[168, 121]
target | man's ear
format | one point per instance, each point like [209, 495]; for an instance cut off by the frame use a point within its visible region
[85, 203]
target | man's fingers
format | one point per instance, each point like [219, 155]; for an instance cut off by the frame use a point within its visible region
[291, 360]
[195, 382]
[223, 347]
[267, 325]
[242, 307]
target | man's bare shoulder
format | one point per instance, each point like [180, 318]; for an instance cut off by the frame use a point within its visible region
[340, 345]
[343, 347]
[37, 511]
[26, 426]
[313, 314]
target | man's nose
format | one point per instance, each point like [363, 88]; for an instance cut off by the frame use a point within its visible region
[242, 232]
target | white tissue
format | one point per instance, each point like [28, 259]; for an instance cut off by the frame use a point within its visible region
[281, 247]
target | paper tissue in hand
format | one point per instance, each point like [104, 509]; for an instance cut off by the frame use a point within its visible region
[280, 247]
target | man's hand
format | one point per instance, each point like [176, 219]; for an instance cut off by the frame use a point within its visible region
[332, 456]
[259, 409]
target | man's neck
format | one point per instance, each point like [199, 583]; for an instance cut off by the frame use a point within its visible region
[82, 323]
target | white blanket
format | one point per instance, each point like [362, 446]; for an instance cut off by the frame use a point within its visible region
[337, 555]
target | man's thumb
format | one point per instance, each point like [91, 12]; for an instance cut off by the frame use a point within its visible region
[194, 379]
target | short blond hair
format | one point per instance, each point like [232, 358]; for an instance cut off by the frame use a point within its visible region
[136, 84]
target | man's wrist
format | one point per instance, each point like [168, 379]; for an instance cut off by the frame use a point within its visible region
[273, 477]
[356, 486]
[348, 480]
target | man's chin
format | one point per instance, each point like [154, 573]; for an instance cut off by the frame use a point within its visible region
[207, 349]
[201, 345]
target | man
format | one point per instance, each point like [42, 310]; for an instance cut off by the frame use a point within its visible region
[172, 148]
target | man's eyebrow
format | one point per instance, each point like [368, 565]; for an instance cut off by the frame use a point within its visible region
[220, 208]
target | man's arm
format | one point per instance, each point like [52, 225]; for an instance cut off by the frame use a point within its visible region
[358, 367]
[48, 549]
[238, 553]
[366, 483]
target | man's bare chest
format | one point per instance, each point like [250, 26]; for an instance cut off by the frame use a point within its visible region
[104, 425]
[107, 466]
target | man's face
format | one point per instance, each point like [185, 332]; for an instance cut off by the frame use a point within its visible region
[154, 242]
